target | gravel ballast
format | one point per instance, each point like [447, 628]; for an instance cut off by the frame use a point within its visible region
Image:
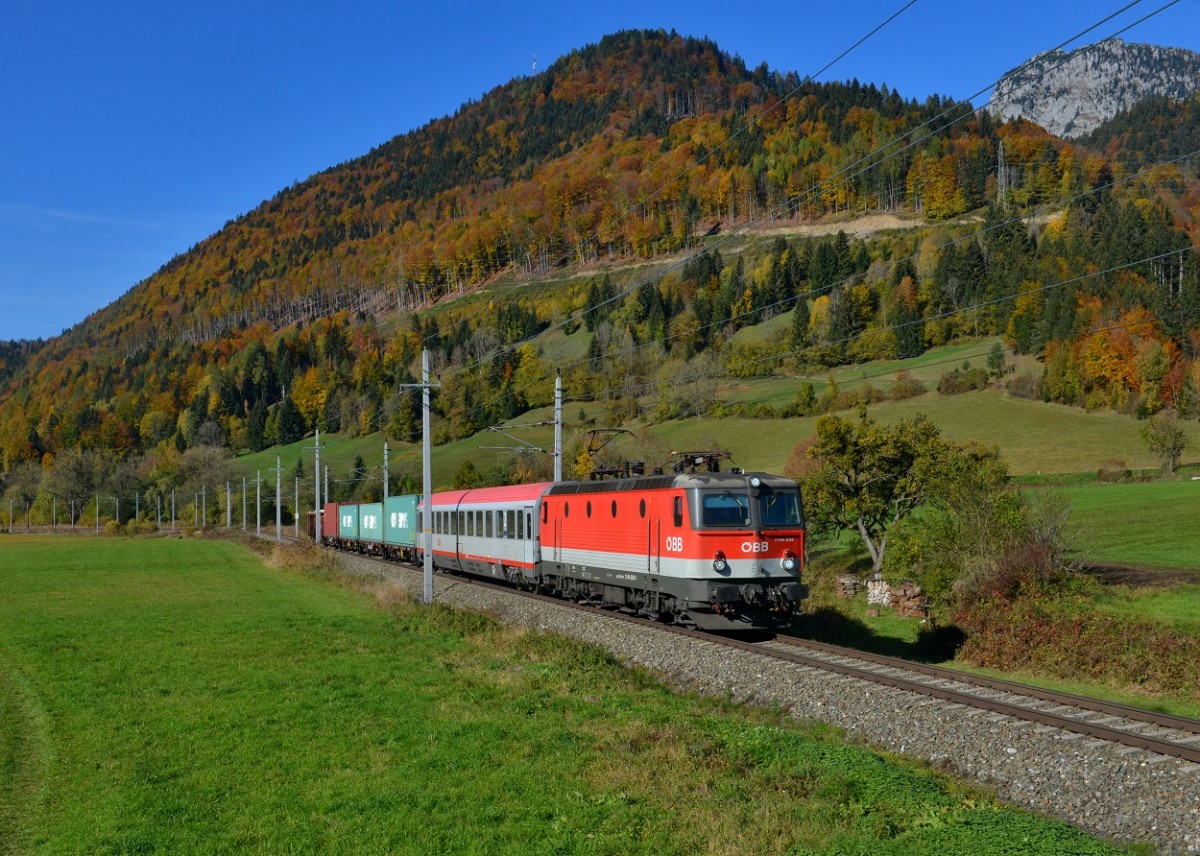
[1127, 795]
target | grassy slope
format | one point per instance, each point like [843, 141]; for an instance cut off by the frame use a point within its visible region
[193, 701]
[1034, 437]
[1150, 524]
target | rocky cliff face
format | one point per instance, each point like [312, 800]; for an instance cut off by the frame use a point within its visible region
[1070, 94]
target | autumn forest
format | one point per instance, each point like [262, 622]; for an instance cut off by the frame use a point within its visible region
[602, 197]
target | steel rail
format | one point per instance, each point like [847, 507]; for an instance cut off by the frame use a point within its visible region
[1164, 720]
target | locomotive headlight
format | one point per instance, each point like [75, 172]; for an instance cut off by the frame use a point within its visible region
[755, 481]
[790, 562]
[720, 565]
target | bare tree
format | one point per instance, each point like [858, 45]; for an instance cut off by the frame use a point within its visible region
[203, 467]
[24, 482]
[76, 476]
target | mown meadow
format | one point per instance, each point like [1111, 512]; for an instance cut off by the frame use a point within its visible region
[184, 696]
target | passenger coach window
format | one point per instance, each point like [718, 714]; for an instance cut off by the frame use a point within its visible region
[487, 517]
[726, 509]
[510, 524]
[520, 526]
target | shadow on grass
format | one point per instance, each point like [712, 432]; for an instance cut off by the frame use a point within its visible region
[934, 644]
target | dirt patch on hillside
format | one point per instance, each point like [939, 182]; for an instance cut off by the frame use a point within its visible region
[859, 227]
[1135, 577]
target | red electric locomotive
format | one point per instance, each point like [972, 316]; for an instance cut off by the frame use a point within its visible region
[719, 551]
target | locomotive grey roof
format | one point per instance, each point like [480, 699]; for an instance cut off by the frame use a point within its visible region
[713, 481]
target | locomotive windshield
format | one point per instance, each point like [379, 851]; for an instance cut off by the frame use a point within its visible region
[779, 509]
[726, 509]
[766, 508]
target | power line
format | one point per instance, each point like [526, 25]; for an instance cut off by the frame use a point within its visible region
[752, 122]
[841, 174]
[812, 191]
[941, 316]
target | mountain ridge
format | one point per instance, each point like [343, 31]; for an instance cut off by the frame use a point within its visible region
[646, 147]
[1071, 94]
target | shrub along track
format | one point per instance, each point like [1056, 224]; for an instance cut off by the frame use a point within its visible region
[1100, 770]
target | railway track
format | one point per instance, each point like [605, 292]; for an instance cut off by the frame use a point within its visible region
[1124, 774]
[1136, 728]
[1151, 731]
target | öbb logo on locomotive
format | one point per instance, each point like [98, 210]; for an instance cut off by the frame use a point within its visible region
[713, 550]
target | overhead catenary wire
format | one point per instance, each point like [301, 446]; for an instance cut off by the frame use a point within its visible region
[940, 316]
[842, 174]
[626, 352]
[770, 215]
[746, 126]
[782, 305]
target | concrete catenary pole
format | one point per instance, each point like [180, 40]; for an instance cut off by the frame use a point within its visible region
[558, 428]
[317, 485]
[278, 509]
[426, 481]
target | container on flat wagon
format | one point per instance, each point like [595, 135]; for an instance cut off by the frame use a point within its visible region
[329, 520]
[400, 520]
[370, 521]
[348, 522]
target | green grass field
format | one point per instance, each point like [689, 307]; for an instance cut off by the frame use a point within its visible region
[1146, 524]
[179, 696]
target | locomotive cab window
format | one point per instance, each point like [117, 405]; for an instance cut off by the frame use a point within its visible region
[677, 510]
[725, 509]
[780, 509]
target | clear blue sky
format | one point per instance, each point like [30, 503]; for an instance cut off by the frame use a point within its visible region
[133, 130]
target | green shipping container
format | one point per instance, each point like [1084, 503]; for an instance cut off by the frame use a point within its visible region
[370, 521]
[348, 522]
[400, 520]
